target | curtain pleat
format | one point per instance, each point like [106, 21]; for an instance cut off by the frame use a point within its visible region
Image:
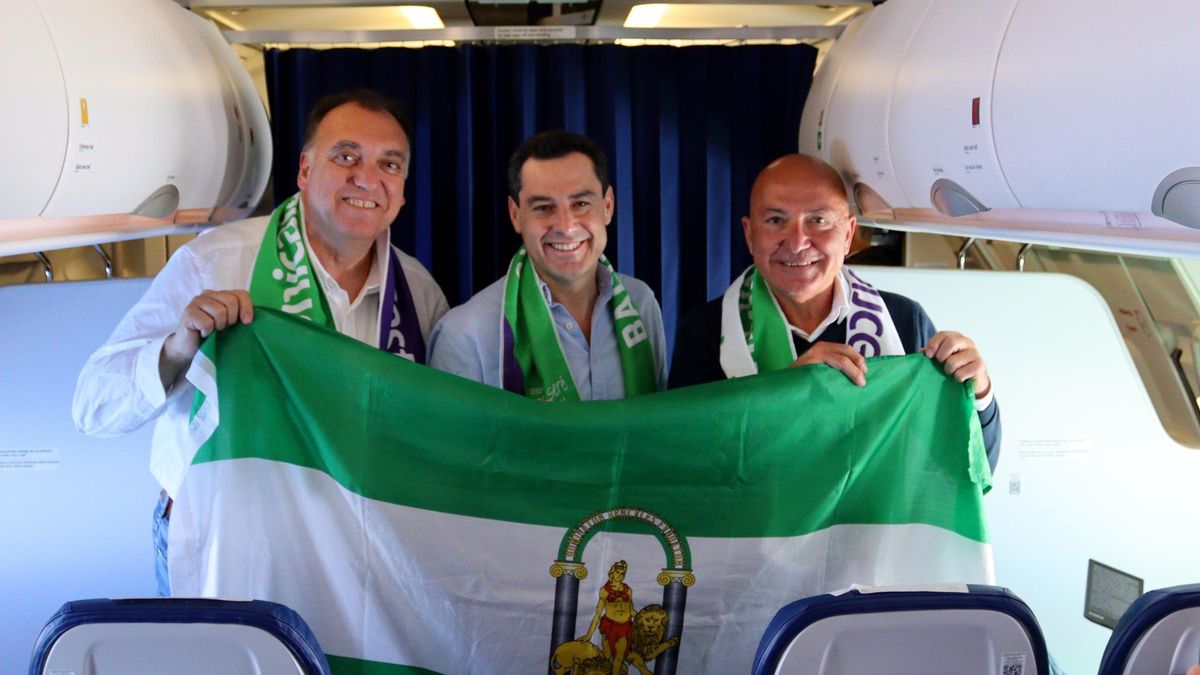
[685, 129]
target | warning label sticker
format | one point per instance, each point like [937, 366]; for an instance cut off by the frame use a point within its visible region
[1012, 663]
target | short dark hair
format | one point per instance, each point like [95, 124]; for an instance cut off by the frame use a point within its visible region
[365, 98]
[552, 145]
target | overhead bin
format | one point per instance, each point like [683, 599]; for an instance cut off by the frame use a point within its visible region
[1041, 121]
[34, 133]
[812, 131]
[1097, 101]
[856, 138]
[248, 139]
[153, 123]
[941, 119]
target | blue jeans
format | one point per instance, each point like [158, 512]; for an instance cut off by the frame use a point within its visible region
[159, 533]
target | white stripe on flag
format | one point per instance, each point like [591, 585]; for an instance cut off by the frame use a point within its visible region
[458, 594]
[202, 373]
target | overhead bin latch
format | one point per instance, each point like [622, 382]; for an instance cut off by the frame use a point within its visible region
[951, 199]
[160, 204]
[1178, 197]
[868, 200]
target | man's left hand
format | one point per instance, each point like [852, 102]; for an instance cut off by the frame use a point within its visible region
[960, 359]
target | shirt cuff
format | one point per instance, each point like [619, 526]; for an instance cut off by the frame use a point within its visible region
[981, 404]
[149, 382]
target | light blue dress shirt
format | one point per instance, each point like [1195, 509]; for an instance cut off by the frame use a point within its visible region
[466, 341]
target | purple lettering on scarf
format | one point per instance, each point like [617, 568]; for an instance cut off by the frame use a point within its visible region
[512, 379]
[858, 301]
[864, 288]
[399, 327]
[864, 311]
[873, 318]
[864, 340]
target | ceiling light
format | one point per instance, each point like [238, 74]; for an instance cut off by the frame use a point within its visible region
[645, 16]
[422, 17]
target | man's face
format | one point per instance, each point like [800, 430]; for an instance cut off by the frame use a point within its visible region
[799, 231]
[352, 175]
[562, 217]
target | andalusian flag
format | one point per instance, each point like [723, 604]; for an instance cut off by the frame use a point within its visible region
[423, 523]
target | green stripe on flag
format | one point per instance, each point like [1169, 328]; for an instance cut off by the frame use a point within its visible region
[780, 454]
[341, 665]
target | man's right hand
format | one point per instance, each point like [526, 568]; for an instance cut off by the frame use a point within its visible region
[842, 357]
[208, 312]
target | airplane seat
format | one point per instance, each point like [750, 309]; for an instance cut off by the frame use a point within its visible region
[1159, 633]
[187, 636]
[905, 630]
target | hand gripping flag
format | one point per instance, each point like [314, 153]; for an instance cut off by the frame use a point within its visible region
[424, 523]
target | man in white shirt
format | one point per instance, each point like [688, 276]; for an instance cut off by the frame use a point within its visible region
[323, 255]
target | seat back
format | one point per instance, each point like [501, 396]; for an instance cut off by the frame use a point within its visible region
[937, 629]
[1159, 633]
[178, 635]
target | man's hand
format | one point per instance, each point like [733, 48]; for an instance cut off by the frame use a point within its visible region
[842, 357]
[208, 312]
[960, 359]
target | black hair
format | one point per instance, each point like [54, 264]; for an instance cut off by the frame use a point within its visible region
[552, 145]
[365, 98]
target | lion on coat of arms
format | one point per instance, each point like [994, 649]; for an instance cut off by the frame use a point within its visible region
[581, 657]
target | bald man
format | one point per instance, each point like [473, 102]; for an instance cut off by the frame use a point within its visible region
[806, 308]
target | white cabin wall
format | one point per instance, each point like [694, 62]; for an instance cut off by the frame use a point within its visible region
[77, 525]
[1086, 470]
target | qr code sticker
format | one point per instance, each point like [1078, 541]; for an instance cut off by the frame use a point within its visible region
[1012, 663]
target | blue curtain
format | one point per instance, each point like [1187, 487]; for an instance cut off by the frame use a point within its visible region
[685, 129]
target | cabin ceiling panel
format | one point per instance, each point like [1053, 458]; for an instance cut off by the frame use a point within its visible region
[374, 15]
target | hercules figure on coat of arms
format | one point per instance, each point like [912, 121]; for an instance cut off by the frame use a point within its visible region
[626, 636]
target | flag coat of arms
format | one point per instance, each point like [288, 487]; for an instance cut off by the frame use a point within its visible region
[423, 523]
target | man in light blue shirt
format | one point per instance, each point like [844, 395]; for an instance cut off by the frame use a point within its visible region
[562, 324]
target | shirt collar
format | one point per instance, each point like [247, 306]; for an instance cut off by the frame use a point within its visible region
[381, 249]
[603, 286]
[837, 311]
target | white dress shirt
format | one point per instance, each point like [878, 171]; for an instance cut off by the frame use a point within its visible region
[119, 388]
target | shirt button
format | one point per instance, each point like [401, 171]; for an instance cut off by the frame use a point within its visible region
[570, 326]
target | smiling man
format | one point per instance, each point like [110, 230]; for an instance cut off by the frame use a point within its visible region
[324, 255]
[562, 324]
[797, 305]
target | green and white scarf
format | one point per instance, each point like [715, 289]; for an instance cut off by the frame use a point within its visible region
[283, 278]
[755, 336]
[531, 357]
